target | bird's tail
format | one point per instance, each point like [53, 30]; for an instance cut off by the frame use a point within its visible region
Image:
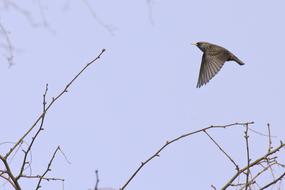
[237, 60]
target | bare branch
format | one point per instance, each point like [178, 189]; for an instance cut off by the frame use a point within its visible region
[52, 102]
[156, 154]
[7, 173]
[269, 148]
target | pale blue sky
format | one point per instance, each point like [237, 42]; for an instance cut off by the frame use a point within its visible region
[142, 91]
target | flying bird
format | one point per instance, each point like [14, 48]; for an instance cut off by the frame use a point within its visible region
[213, 59]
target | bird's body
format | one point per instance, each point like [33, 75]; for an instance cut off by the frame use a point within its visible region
[213, 59]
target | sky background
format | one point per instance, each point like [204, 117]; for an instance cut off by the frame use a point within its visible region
[142, 91]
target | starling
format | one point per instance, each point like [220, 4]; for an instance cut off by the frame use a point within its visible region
[213, 59]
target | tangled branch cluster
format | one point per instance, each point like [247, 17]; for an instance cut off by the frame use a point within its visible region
[246, 177]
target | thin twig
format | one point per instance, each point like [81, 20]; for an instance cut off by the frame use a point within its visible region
[48, 168]
[110, 28]
[44, 178]
[269, 148]
[213, 187]
[43, 16]
[247, 156]
[269, 138]
[10, 49]
[35, 136]
[227, 155]
[273, 182]
[25, 13]
[97, 180]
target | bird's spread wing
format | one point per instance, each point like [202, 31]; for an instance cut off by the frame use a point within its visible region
[210, 66]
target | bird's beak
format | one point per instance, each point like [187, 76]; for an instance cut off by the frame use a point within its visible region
[195, 44]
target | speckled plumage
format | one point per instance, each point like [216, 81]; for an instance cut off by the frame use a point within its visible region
[213, 59]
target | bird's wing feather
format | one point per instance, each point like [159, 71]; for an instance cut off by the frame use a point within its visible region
[210, 66]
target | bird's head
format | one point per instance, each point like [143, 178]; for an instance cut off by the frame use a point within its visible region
[202, 45]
